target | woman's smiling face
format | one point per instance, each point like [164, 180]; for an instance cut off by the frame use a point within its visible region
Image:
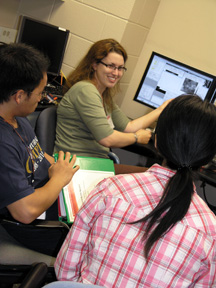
[107, 77]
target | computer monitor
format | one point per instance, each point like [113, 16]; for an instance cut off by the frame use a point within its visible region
[165, 78]
[49, 39]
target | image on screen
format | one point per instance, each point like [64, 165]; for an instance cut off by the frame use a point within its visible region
[49, 39]
[165, 78]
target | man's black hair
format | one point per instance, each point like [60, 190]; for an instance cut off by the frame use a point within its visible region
[21, 67]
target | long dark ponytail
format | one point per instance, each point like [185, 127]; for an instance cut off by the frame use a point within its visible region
[186, 138]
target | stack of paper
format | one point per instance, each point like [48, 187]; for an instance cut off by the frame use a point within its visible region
[92, 171]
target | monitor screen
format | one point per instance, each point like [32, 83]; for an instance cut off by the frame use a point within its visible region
[49, 39]
[165, 78]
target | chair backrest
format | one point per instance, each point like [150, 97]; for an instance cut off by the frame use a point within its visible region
[32, 118]
[45, 128]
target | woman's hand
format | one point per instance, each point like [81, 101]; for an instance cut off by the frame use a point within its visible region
[165, 103]
[143, 136]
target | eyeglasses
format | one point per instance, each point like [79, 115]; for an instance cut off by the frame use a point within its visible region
[43, 94]
[113, 67]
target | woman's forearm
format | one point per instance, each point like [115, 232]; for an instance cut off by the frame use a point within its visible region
[143, 122]
[121, 139]
[147, 120]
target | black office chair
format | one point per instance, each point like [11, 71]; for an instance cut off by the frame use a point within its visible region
[45, 128]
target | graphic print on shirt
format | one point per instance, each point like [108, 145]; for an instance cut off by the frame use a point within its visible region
[37, 155]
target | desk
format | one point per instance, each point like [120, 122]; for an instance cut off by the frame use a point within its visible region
[143, 149]
[127, 169]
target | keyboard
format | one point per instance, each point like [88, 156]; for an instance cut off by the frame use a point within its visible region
[54, 90]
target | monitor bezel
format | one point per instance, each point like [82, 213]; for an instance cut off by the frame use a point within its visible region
[210, 96]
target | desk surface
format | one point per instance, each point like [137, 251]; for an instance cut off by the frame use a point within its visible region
[127, 169]
[142, 149]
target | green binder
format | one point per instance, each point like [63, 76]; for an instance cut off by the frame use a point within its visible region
[92, 171]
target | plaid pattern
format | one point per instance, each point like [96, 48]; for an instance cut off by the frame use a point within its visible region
[103, 248]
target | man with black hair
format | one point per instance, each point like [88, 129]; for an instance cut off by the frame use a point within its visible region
[30, 180]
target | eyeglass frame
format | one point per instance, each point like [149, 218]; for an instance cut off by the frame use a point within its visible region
[113, 67]
[43, 94]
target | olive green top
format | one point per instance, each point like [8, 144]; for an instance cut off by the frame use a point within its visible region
[82, 121]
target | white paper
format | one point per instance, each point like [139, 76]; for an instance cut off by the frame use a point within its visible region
[82, 183]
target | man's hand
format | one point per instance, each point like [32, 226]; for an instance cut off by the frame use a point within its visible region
[30, 207]
[63, 169]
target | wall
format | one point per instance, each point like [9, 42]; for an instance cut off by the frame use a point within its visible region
[128, 21]
[183, 30]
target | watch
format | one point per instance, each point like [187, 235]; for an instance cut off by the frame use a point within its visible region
[136, 138]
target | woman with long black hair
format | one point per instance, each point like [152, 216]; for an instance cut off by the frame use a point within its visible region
[151, 229]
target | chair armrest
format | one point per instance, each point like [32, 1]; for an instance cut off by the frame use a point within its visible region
[36, 223]
[36, 276]
[114, 157]
[50, 224]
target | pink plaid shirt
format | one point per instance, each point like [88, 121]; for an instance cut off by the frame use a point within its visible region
[103, 248]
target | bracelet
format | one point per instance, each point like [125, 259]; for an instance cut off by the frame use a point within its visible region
[136, 138]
